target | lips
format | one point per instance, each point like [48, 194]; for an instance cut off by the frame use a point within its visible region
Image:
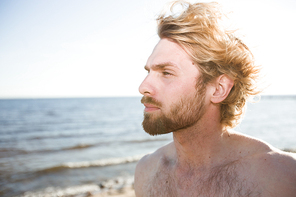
[150, 107]
[150, 104]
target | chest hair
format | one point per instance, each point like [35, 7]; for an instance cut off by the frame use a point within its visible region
[220, 181]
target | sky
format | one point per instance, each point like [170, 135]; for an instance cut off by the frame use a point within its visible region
[96, 48]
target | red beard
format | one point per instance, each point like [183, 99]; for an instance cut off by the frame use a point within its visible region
[183, 114]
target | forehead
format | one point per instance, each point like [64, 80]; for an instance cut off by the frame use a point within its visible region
[167, 51]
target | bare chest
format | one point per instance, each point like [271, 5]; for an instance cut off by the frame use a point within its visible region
[223, 182]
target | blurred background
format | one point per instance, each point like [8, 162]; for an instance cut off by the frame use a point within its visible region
[70, 111]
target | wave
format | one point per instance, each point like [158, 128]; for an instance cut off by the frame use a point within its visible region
[95, 163]
[79, 146]
[290, 150]
[147, 140]
[117, 185]
[81, 190]
[63, 135]
[8, 152]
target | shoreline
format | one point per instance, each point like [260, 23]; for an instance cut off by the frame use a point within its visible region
[118, 187]
[123, 192]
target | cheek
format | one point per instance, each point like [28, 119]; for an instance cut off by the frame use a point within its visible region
[187, 88]
[174, 94]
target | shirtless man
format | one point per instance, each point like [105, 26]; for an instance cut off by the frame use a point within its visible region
[199, 78]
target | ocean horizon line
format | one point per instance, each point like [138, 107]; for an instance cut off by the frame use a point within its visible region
[123, 96]
[67, 97]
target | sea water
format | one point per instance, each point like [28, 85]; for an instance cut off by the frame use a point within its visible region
[75, 144]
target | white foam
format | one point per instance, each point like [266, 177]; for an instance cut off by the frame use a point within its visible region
[83, 190]
[102, 162]
[54, 192]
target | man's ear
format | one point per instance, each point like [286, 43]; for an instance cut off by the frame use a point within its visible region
[223, 84]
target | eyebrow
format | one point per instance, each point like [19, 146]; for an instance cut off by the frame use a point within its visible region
[160, 66]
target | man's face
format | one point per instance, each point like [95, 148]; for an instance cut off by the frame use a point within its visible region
[172, 98]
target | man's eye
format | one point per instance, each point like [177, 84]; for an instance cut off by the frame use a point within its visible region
[166, 73]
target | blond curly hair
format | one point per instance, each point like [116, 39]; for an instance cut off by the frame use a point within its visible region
[216, 51]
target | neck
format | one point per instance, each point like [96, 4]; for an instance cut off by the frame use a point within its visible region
[201, 145]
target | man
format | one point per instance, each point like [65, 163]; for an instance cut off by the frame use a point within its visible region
[199, 79]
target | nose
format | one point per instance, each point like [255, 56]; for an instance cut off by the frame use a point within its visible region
[146, 87]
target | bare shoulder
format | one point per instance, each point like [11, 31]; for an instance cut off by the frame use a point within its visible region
[147, 166]
[275, 170]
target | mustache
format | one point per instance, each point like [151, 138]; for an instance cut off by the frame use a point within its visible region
[150, 100]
